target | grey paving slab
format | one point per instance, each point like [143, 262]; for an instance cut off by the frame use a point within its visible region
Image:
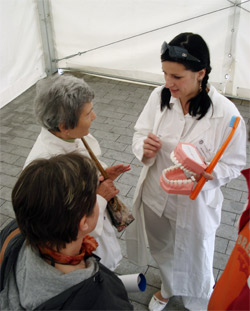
[117, 105]
[244, 197]
[118, 156]
[220, 260]
[113, 145]
[7, 180]
[221, 244]
[9, 169]
[228, 218]
[8, 158]
[230, 247]
[153, 277]
[5, 193]
[227, 232]
[233, 206]
[124, 189]
[7, 209]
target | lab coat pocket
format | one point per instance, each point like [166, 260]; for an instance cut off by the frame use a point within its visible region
[212, 212]
[213, 198]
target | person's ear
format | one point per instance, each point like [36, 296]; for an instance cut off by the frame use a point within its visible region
[64, 131]
[201, 74]
[62, 128]
[83, 225]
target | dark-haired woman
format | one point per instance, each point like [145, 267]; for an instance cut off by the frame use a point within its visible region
[181, 232]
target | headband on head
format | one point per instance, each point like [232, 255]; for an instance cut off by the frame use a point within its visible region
[177, 52]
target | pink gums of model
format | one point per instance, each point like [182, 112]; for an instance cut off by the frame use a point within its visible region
[179, 178]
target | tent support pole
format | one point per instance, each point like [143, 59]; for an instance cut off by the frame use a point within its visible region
[47, 36]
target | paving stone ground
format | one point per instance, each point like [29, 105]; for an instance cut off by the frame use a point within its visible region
[117, 105]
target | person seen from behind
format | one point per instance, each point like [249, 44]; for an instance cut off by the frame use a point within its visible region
[49, 265]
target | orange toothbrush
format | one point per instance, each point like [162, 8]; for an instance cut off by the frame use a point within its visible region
[234, 124]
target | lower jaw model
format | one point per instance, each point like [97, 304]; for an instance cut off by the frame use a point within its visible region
[179, 178]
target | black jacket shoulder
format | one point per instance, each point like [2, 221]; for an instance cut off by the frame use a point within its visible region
[103, 291]
[11, 251]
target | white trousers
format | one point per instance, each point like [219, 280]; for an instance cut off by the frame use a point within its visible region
[161, 239]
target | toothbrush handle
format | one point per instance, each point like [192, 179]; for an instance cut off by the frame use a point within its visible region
[198, 188]
[214, 161]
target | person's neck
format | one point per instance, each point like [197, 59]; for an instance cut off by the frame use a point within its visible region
[185, 106]
[71, 249]
[59, 134]
[185, 102]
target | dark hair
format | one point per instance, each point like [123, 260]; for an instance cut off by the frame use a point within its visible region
[197, 47]
[51, 196]
[60, 99]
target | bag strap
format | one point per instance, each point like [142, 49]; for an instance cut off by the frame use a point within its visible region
[94, 158]
[6, 242]
[98, 164]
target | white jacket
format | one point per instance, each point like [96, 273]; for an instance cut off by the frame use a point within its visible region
[48, 145]
[198, 220]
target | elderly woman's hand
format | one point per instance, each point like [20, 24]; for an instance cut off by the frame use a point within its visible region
[116, 170]
[107, 189]
[152, 144]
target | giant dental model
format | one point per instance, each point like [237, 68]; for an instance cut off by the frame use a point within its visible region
[179, 178]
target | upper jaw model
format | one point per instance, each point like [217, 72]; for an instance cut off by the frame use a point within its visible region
[179, 178]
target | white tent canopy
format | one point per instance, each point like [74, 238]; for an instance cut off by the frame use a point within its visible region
[119, 38]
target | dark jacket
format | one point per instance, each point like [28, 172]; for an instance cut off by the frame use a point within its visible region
[103, 291]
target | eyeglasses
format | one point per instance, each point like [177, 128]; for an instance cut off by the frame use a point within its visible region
[177, 52]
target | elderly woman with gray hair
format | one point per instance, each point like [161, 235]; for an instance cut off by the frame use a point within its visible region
[63, 106]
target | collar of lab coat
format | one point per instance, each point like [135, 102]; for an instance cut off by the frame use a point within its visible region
[55, 141]
[67, 147]
[215, 111]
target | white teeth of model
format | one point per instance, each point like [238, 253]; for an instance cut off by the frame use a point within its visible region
[185, 181]
[189, 172]
[193, 179]
[171, 181]
[179, 181]
[182, 167]
[172, 157]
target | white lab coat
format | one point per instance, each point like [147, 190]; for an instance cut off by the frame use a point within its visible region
[48, 145]
[197, 221]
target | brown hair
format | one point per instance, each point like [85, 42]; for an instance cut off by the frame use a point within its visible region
[51, 196]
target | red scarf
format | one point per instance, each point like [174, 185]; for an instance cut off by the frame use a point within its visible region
[89, 244]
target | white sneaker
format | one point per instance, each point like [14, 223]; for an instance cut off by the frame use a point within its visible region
[156, 304]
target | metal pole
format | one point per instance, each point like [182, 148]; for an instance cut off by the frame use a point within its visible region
[47, 36]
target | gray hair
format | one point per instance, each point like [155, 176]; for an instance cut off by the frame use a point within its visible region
[61, 100]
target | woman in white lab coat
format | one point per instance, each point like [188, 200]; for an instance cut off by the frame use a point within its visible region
[181, 232]
[64, 108]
